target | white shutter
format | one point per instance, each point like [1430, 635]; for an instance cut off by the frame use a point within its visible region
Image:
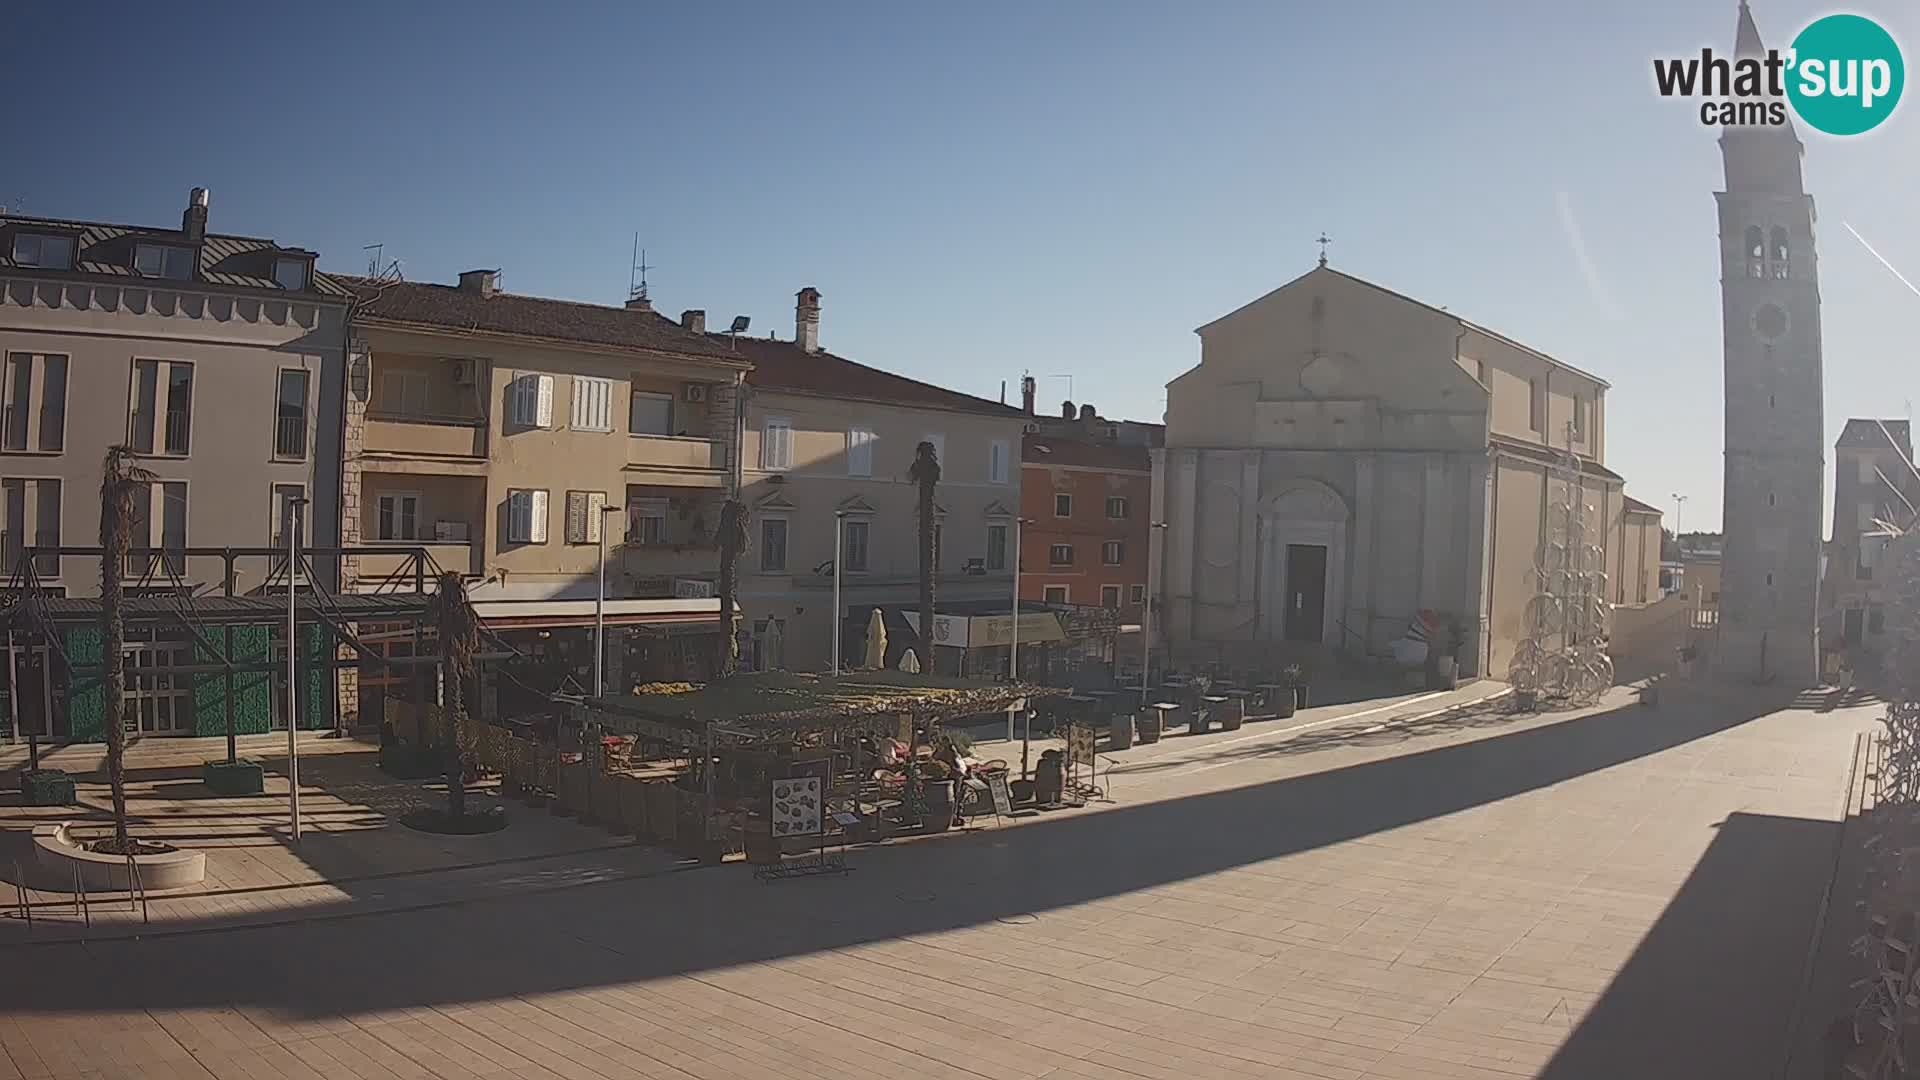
[543, 409]
[592, 403]
[596, 515]
[776, 444]
[576, 517]
[997, 462]
[538, 533]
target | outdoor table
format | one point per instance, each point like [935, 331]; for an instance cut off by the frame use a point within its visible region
[1203, 715]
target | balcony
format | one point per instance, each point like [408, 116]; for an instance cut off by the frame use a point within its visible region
[676, 460]
[423, 436]
[460, 558]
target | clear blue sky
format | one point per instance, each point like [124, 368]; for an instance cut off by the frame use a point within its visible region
[985, 189]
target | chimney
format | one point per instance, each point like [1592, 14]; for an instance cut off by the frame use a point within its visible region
[194, 221]
[639, 303]
[1027, 388]
[694, 319]
[1088, 415]
[806, 319]
[484, 282]
[1066, 410]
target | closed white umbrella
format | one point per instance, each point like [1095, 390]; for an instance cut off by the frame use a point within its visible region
[876, 641]
[910, 663]
[774, 641]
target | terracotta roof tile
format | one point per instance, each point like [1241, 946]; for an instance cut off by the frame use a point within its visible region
[1044, 450]
[784, 365]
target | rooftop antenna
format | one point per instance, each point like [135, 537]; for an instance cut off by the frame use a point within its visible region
[378, 267]
[637, 275]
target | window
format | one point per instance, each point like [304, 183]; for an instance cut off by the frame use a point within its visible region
[773, 544]
[1116, 507]
[533, 401]
[290, 418]
[646, 519]
[1777, 262]
[1756, 252]
[162, 406]
[997, 462]
[776, 444]
[585, 509]
[996, 547]
[1579, 417]
[1113, 552]
[1138, 593]
[1533, 404]
[283, 508]
[527, 516]
[163, 261]
[859, 452]
[1110, 597]
[41, 530]
[1063, 506]
[290, 273]
[398, 516]
[1054, 594]
[42, 250]
[857, 533]
[20, 405]
[649, 413]
[158, 702]
[404, 393]
[167, 504]
[592, 404]
[1060, 555]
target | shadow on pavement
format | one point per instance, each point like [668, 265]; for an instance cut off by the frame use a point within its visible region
[626, 931]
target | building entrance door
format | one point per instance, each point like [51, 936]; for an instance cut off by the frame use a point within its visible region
[1306, 591]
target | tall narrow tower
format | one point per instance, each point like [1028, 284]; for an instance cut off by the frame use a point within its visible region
[1770, 313]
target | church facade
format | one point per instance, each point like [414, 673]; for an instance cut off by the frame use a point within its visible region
[1344, 457]
[1775, 467]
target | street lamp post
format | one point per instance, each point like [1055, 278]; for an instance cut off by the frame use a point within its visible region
[1146, 616]
[1679, 504]
[600, 610]
[839, 546]
[293, 652]
[1013, 649]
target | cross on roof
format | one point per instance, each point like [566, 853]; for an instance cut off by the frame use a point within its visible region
[1324, 241]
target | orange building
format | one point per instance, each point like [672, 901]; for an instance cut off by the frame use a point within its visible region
[1087, 505]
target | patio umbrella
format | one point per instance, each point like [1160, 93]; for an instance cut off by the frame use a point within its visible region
[773, 646]
[876, 641]
[910, 663]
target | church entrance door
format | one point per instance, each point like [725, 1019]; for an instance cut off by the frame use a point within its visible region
[1306, 591]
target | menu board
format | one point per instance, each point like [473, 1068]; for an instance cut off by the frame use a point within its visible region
[796, 806]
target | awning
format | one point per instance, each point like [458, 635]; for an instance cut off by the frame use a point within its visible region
[672, 614]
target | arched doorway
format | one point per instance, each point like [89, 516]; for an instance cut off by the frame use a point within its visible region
[1303, 562]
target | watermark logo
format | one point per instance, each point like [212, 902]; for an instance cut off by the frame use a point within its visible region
[1843, 75]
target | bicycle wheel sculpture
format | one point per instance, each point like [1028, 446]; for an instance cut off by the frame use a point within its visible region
[1563, 658]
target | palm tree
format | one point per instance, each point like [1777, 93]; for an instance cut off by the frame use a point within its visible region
[733, 543]
[122, 483]
[926, 473]
[459, 640]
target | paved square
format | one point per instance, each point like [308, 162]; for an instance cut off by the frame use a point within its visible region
[1626, 892]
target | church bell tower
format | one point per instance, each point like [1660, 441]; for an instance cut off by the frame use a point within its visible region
[1775, 421]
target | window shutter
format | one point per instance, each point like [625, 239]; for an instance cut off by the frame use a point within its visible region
[596, 514]
[576, 517]
[543, 408]
[997, 463]
[538, 533]
[517, 516]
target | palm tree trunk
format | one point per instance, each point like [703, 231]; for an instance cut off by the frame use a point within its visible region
[459, 641]
[121, 482]
[926, 472]
[733, 541]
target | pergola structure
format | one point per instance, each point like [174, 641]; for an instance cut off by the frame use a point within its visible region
[231, 632]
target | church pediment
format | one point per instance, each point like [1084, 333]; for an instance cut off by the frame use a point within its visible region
[776, 501]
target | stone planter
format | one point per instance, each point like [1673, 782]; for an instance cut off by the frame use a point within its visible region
[1232, 714]
[1282, 704]
[1149, 726]
[46, 787]
[239, 777]
[939, 816]
[57, 849]
[1120, 731]
[1299, 695]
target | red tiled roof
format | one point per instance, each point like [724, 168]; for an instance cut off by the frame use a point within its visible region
[419, 303]
[784, 365]
[1042, 450]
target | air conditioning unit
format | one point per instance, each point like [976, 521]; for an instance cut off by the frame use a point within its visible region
[694, 392]
[464, 372]
[1031, 428]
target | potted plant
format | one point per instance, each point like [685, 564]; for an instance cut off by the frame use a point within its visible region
[1281, 700]
[1443, 662]
[1150, 725]
[1297, 677]
[1687, 653]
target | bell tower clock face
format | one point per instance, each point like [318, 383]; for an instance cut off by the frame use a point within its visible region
[1770, 322]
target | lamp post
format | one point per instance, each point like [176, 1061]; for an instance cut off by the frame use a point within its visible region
[1679, 504]
[1146, 616]
[293, 651]
[1013, 649]
[600, 610]
[839, 546]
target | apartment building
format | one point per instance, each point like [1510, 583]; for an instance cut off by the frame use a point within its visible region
[219, 360]
[1875, 485]
[505, 432]
[1087, 499]
[827, 440]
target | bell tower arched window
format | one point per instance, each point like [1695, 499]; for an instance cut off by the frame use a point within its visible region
[1777, 261]
[1756, 252]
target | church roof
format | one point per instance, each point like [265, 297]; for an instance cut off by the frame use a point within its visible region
[1746, 38]
[1466, 324]
[1877, 433]
[1635, 506]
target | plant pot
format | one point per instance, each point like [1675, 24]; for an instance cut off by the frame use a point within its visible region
[1299, 695]
[241, 777]
[1233, 714]
[939, 816]
[1120, 731]
[46, 787]
[1283, 704]
[1149, 727]
[1525, 700]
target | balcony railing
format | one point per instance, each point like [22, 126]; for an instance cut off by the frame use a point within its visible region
[290, 437]
[673, 452]
[428, 436]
